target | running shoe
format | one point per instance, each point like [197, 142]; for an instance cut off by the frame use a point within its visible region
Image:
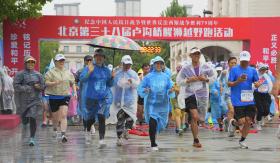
[102, 143]
[154, 148]
[243, 145]
[92, 130]
[180, 132]
[126, 135]
[259, 125]
[231, 128]
[31, 142]
[197, 145]
[119, 142]
[64, 139]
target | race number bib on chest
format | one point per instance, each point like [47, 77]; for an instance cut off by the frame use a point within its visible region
[247, 96]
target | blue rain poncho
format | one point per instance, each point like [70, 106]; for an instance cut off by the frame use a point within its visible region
[216, 102]
[125, 93]
[96, 91]
[156, 101]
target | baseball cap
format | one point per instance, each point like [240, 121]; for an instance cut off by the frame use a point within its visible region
[244, 56]
[99, 52]
[126, 60]
[195, 49]
[29, 58]
[59, 57]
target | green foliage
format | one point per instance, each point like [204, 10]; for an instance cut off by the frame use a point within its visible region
[48, 49]
[174, 10]
[20, 9]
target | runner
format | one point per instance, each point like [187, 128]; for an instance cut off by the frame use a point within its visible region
[140, 103]
[262, 96]
[98, 95]
[156, 89]
[59, 81]
[241, 78]
[230, 123]
[195, 77]
[29, 85]
[125, 98]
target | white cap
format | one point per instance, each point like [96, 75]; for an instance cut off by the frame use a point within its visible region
[126, 60]
[194, 50]
[219, 68]
[110, 67]
[262, 66]
[59, 57]
[244, 56]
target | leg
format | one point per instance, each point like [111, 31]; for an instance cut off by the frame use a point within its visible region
[153, 131]
[33, 127]
[88, 124]
[194, 122]
[120, 124]
[63, 118]
[177, 112]
[101, 120]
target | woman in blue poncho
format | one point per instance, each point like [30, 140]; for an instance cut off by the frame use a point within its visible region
[156, 88]
[98, 96]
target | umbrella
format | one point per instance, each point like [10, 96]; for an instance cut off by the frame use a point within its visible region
[114, 42]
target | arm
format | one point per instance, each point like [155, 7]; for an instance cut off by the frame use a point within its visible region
[135, 81]
[181, 78]
[49, 82]
[18, 84]
[232, 81]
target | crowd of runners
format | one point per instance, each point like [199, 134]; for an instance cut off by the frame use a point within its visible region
[199, 94]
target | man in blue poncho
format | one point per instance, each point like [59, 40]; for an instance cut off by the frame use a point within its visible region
[98, 94]
[156, 88]
[125, 98]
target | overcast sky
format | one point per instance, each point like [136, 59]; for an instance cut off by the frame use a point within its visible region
[108, 7]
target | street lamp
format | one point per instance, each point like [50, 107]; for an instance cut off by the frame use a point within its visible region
[207, 12]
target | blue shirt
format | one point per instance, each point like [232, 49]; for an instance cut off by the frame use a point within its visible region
[235, 73]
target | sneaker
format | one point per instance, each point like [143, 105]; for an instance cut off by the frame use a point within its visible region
[126, 135]
[197, 145]
[31, 142]
[243, 145]
[180, 132]
[64, 139]
[88, 137]
[177, 131]
[231, 128]
[154, 148]
[119, 142]
[259, 126]
[225, 127]
[269, 118]
[102, 143]
[92, 131]
[44, 125]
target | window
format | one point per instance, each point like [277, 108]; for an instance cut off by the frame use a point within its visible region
[91, 49]
[66, 49]
[78, 49]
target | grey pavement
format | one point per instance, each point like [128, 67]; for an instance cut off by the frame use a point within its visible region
[264, 147]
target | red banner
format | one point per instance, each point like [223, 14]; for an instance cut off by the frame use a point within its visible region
[22, 38]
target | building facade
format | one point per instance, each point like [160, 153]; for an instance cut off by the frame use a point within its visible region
[128, 7]
[218, 51]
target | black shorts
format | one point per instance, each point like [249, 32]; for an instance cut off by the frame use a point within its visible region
[56, 103]
[244, 111]
[140, 101]
[190, 103]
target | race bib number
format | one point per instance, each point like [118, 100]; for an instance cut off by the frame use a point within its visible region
[263, 88]
[247, 96]
[197, 86]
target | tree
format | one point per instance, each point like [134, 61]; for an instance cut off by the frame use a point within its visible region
[15, 10]
[48, 49]
[20, 9]
[174, 10]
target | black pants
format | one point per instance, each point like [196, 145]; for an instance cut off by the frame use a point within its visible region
[101, 122]
[124, 122]
[263, 101]
[153, 131]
